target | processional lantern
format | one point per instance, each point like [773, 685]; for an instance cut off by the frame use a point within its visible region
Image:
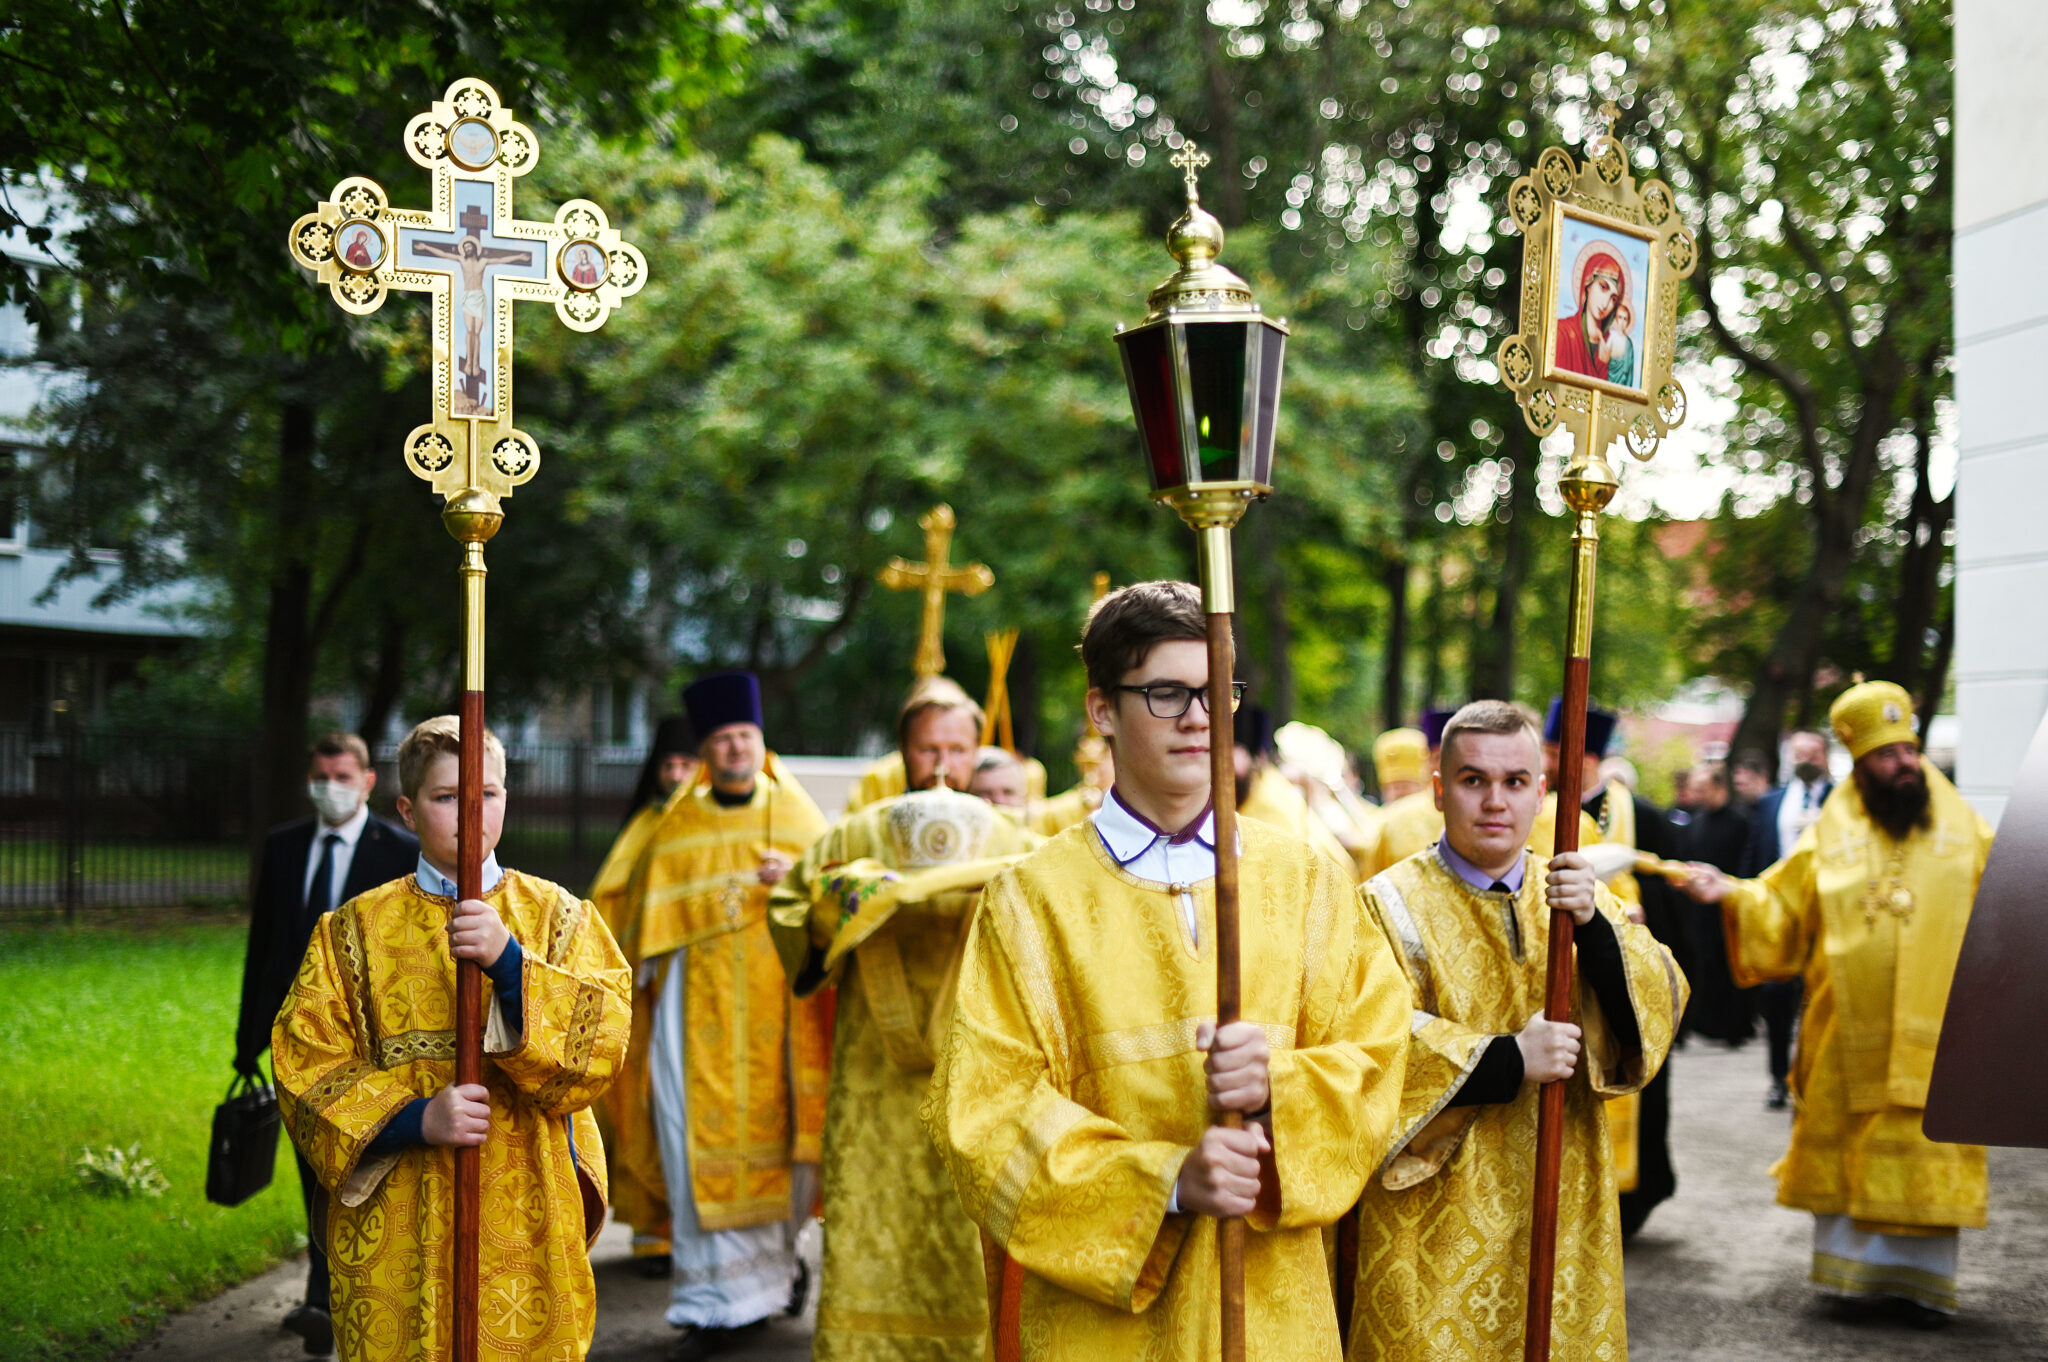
[476, 258]
[1204, 374]
[1603, 260]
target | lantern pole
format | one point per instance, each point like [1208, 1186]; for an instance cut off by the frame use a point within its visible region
[1204, 374]
[1593, 356]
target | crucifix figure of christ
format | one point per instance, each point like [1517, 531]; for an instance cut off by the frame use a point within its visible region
[477, 253]
[934, 578]
[476, 257]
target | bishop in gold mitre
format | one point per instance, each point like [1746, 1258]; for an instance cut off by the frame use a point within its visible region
[1078, 1089]
[1443, 1239]
[726, 1078]
[880, 905]
[1869, 909]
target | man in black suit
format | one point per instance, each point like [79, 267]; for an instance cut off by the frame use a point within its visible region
[1780, 817]
[301, 876]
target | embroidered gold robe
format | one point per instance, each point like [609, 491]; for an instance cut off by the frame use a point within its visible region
[1443, 1259]
[1273, 801]
[1070, 1092]
[368, 1027]
[1877, 979]
[903, 1278]
[623, 1119]
[754, 1055]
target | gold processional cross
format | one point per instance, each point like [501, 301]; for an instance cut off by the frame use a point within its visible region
[476, 259]
[935, 577]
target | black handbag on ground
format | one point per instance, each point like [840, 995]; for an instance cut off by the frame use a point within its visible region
[243, 1155]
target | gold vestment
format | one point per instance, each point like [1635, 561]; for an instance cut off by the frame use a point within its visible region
[639, 1197]
[754, 1056]
[903, 1276]
[1070, 1092]
[368, 1027]
[1443, 1257]
[1874, 926]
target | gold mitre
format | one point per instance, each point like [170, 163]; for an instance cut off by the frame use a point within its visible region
[1871, 715]
[1401, 754]
[939, 827]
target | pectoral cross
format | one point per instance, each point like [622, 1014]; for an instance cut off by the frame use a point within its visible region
[477, 258]
[935, 577]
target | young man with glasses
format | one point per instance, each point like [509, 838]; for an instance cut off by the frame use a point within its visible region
[1077, 1095]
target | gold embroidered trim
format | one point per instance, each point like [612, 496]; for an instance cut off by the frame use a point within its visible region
[567, 925]
[347, 927]
[412, 1046]
[1052, 1120]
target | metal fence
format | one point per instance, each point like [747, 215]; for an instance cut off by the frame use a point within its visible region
[111, 818]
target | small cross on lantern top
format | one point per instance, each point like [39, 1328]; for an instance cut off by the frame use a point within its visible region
[1189, 159]
[476, 258]
[933, 578]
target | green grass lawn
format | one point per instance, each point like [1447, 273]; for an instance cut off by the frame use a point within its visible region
[118, 1031]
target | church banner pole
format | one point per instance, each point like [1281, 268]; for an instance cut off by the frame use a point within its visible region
[1203, 370]
[476, 259]
[1603, 260]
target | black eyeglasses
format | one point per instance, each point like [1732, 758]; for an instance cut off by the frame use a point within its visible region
[1170, 702]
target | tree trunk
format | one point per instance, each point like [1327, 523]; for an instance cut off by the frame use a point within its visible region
[1919, 591]
[1787, 673]
[1928, 701]
[387, 683]
[1498, 678]
[1394, 579]
[287, 644]
[1433, 635]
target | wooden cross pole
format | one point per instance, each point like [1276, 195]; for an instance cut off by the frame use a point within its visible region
[933, 579]
[476, 259]
[1603, 260]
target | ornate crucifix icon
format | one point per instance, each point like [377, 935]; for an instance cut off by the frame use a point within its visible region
[934, 577]
[476, 258]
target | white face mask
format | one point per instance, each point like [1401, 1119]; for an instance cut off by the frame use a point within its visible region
[337, 803]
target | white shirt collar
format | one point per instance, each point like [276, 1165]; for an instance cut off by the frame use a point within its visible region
[350, 832]
[434, 882]
[1127, 836]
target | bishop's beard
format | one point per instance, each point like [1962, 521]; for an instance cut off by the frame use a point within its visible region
[1900, 805]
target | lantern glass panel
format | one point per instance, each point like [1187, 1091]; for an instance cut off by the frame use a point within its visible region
[1216, 365]
[1271, 342]
[1148, 369]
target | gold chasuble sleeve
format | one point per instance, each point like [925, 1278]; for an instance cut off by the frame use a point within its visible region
[1444, 1224]
[1874, 927]
[1069, 1092]
[367, 1028]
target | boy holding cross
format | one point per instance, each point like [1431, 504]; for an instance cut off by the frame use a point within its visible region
[365, 1060]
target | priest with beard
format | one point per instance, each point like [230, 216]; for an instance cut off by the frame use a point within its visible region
[1869, 908]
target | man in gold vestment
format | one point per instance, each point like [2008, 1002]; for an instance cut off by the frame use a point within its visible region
[726, 1079]
[1444, 1224]
[880, 904]
[1410, 820]
[365, 1056]
[1076, 1093]
[638, 1195]
[1869, 908]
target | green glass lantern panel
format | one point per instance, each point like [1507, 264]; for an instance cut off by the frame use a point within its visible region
[1148, 369]
[1216, 365]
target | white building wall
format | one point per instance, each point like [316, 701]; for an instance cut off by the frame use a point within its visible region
[2001, 321]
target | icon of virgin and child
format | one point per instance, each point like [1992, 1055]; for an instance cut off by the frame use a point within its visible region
[1601, 337]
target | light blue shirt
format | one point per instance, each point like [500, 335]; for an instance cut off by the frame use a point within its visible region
[1474, 876]
[434, 882]
[1180, 861]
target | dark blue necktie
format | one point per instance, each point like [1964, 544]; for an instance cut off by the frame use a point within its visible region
[1500, 887]
[320, 894]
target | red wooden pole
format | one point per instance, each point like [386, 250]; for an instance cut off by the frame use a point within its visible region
[1223, 786]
